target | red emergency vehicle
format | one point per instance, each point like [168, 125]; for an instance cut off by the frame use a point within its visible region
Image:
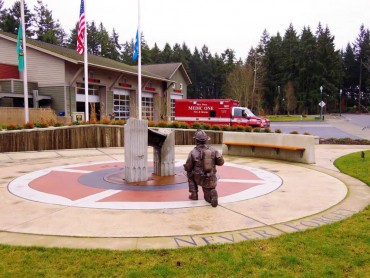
[216, 112]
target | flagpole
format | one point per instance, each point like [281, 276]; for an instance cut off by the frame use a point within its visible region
[86, 70]
[25, 77]
[139, 65]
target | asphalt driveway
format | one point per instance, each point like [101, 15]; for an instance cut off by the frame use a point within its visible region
[346, 126]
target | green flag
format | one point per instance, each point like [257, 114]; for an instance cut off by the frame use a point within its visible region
[20, 46]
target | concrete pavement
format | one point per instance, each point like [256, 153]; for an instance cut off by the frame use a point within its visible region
[308, 196]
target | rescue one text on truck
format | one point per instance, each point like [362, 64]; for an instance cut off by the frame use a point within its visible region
[217, 112]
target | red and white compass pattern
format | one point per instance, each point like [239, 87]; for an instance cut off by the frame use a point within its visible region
[102, 185]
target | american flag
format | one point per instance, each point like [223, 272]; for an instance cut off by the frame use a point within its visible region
[81, 30]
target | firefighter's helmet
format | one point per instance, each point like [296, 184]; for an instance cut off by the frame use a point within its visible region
[201, 136]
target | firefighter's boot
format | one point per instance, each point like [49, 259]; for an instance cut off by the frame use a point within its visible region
[207, 194]
[193, 196]
[214, 198]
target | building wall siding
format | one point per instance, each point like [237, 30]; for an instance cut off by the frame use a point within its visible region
[109, 102]
[8, 54]
[45, 69]
[5, 86]
[57, 95]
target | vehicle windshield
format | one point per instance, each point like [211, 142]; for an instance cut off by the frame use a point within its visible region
[243, 112]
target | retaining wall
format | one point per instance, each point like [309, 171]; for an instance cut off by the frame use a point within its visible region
[82, 136]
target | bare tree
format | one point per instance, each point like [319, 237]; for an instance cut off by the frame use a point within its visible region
[240, 83]
[290, 98]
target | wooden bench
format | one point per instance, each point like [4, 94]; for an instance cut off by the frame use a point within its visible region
[257, 145]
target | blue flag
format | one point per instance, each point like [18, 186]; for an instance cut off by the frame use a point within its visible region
[20, 48]
[136, 47]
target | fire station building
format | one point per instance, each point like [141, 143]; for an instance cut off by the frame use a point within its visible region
[56, 80]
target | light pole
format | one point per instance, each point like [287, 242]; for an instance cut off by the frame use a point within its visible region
[279, 96]
[321, 103]
[340, 102]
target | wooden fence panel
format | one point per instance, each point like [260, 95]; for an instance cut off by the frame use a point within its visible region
[15, 115]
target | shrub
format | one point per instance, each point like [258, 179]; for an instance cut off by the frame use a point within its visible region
[196, 125]
[306, 133]
[29, 125]
[206, 126]
[104, 120]
[174, 124]
[267, 130]
[162, 124]
[294, 132]
[41, 124]
[237, 128]
[248, 128]
[215, 127]
[120, 122]
[51, 122]
[277, 130]
[225, 128]
[13, 127]
[152, 123]
[183, 125]
[256, 129]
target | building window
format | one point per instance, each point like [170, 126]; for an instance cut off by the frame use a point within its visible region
[172, 109]
[121, 105]
[147, 104]
[93, 89]
[173, 98]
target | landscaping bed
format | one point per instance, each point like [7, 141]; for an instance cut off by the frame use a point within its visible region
[344, 141]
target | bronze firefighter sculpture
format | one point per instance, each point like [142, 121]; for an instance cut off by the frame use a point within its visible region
[201, 169]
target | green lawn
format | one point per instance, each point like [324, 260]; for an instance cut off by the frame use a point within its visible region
[292, 118]
[339, 249]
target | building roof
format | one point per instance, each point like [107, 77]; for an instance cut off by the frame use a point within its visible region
[72, 56]
[167, 70]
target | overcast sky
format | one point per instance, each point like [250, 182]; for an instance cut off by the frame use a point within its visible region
[219, 24]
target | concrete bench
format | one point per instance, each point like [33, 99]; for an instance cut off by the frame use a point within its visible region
[290, 147]
[276, 147]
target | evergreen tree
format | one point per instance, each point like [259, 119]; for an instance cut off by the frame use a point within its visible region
[274, 75]
[128, 52]
[351, 73]
[106, 44]
[11, 18]
[72, 39]
[362, 54]
[47, 29]
[186, 57]
[307, 80]
[329, 68]
[166, 54]
[93, 39]
[290, 48]
[116, 47]
[194, 90]
[155, 54]
[145, 51]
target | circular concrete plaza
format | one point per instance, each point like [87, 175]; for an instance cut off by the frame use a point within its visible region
[80, 199]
